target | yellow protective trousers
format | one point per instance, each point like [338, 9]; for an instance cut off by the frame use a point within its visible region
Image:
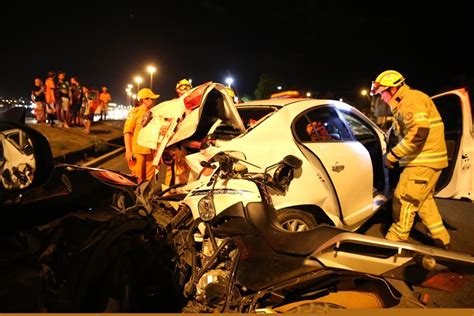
[414, 193]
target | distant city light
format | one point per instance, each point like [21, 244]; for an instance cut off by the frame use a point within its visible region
[308, 94]
[279, 88]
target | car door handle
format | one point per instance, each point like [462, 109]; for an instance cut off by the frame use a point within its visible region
[337, 167]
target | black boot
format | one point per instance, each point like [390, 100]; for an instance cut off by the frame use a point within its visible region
[438, 243]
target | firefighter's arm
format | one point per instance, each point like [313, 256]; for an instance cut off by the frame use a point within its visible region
[415, 119]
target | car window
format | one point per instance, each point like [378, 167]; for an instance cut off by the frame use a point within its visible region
[449, 108]
[359, 129]
[251, 115]
[321, 125]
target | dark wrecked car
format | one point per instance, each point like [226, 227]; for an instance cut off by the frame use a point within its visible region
[66, 244]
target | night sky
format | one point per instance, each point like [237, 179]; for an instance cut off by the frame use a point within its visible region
[312, 45]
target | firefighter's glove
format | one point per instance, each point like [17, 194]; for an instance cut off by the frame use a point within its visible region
[388, 163]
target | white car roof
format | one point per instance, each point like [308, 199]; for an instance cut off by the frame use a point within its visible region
[272, 102]
[295, 102]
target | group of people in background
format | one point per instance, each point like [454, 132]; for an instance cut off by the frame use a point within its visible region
[71, 103]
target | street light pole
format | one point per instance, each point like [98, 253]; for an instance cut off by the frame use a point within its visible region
[129, 94]
[151, 70]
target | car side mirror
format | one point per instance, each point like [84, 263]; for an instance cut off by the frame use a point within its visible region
[26, 159]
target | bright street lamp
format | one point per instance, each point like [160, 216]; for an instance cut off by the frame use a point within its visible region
[229, 81]
[130, 86]
[151, 70]
[138, 80]
[279, 88]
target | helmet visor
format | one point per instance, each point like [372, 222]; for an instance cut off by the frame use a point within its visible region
[377, 88]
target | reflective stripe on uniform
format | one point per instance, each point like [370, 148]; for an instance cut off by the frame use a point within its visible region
[403, 148]
[421, 117]
[403, 226]
[435, 122]
[424, 158]
[436, 227]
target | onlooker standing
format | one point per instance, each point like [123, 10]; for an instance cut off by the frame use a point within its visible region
[64, 93]
[50, 96]
[104, 98]
[76, 101]
[139, 158]
[86, 111]
[38, 96]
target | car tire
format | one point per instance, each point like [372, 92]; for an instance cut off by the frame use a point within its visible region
[295, 220]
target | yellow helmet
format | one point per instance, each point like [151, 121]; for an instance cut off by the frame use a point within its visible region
[387, 79]
[183, 82]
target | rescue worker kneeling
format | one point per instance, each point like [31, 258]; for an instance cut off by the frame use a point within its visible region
[174, 161]
[139, 158]
[422, 153]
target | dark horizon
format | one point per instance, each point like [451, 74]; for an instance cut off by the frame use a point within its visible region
[318, 46]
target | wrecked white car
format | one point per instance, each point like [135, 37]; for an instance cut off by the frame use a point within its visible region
[343, 180]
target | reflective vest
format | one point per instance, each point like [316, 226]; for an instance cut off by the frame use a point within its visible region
[421, 129]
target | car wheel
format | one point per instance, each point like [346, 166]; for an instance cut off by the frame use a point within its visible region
[294, 220]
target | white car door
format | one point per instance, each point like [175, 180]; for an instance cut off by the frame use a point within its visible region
[346, 161]
[457, 180]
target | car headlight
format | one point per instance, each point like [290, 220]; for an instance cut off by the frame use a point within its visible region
[206, 208]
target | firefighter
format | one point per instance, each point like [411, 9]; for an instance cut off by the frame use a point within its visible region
[183, 86]
[174, 167]
[422, 153]
[139, 158]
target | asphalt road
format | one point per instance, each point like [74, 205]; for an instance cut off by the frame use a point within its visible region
[117, 163]
[459, 219]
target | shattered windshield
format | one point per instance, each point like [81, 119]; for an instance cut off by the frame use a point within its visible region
[254, 115]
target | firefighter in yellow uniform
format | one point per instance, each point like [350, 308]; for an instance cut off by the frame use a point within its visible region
[176, 169]
[422, 153]
[183, 86]
[139, 158]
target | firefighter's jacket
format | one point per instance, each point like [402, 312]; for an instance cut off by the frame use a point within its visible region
[421, 129]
